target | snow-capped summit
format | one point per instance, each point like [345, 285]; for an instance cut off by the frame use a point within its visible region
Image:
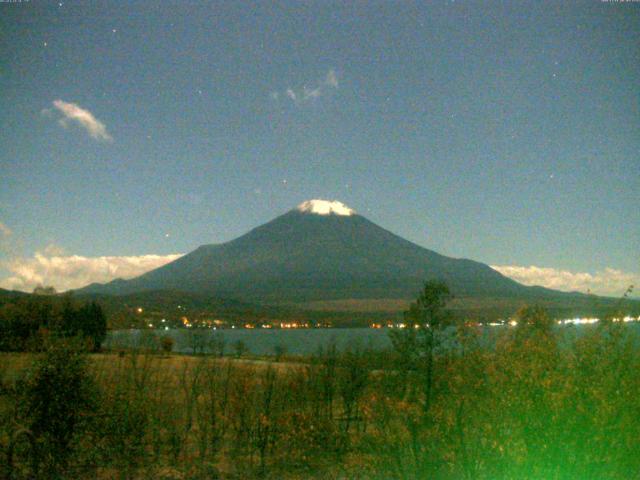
[325, 207]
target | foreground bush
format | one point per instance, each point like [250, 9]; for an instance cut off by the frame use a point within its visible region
[54, 403]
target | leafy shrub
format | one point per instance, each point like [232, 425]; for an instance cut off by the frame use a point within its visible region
[56, 398]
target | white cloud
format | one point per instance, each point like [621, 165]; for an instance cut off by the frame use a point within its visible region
[53, 268]
[306, 93]
[74, 113]
[606, 282]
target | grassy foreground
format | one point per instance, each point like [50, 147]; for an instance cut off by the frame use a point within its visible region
[543, 404]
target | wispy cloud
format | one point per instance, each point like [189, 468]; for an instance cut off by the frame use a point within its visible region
[7, 241]
[5, 231]
[606, 282]
[306, 93]
[72, 112]
[291, 94]
[52, 267]
[331, 80]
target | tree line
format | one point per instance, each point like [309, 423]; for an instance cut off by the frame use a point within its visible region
[27, 323]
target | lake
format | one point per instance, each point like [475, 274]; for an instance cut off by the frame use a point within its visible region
[258, 341]
[293, 341]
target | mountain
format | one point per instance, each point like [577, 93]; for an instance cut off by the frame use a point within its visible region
[8, 295]
[322, 251]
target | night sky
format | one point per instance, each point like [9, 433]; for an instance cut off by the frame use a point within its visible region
[508, 133]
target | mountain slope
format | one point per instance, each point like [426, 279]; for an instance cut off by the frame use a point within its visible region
[304, 255]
